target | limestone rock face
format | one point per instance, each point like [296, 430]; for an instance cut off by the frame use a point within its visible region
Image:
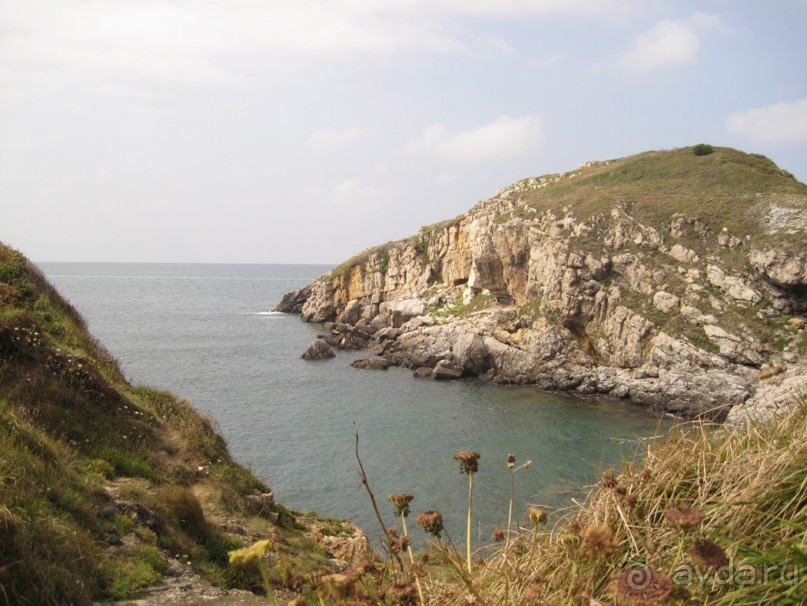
[530, 287]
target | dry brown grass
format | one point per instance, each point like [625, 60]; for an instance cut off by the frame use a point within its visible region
[751, 486]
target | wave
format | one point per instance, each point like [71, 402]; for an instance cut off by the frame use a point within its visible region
[265, 313]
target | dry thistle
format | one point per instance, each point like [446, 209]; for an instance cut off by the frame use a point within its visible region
[534, 591]
[537, 516]
[498, 535]
[684, 517]
[393, 541]
[431, 521]
[469, 461]
[401, 593]
[401, 502]
[709, 555]
[643, 586]
[511, 461]
[599, 541]
[609, 479]
[339, 586]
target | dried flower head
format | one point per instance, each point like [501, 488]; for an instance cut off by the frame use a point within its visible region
[643, 586]
[394, 541]
[537, 516]
[684, 517]
[599, 541]
[621, 491]
[469, 461]
[534, 591]
[431, 521]
[609, 478]
[339, 585]
[511, 461]
[709, 555]
[401, 502]
[401, 593]
[498, 535]
[630, 501]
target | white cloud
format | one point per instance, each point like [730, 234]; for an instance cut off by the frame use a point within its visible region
[505, 137]
[777, 123]
[670, 42]
[666, 43]
[187, 39]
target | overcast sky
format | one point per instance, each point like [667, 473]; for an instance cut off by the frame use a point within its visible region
[304, 131]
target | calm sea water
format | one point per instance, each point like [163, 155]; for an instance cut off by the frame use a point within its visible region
[207, 333]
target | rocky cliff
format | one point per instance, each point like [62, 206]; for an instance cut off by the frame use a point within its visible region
[669, 278]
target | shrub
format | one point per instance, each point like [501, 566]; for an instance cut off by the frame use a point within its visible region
[186, 510]
[702, 149]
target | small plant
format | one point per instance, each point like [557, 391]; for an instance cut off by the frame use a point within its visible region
[401, 502]
[469, 464]
[252, 556]
[702, 149]
[511, 465]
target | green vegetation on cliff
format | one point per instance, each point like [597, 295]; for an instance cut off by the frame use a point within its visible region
[100, 482]
[726, 189]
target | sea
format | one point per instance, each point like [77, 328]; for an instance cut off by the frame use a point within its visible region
[207, 333]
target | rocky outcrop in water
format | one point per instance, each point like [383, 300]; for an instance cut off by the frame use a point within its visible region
[666, 278]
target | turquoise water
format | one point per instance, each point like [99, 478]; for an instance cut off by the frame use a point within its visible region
[207, 333]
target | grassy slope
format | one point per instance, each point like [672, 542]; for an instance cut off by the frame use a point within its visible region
[727, 188]
[74, 434]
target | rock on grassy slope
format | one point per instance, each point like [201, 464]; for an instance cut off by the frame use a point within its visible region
[669, 278]
[106, 487]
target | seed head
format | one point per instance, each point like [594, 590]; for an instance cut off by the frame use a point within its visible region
[401, 502]
[599, 541]
[609, 478]
[534, 591]
[643, 586]
[431, 521]
[537, 516]
[684, 517]
[709, 555]
[498, 535]
[511, 461]
[469, 461]
[402, 593]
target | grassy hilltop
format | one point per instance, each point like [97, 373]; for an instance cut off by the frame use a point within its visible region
[100, 481]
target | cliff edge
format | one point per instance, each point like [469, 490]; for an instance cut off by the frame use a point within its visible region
[676, 279]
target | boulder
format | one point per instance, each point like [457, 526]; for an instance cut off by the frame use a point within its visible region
[371, 363]
[665, 302]
[446, 370]
[318, 350]
[471, 353]
[403, 310]
[423, 372]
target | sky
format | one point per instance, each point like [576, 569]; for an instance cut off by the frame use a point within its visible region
[304, 131]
